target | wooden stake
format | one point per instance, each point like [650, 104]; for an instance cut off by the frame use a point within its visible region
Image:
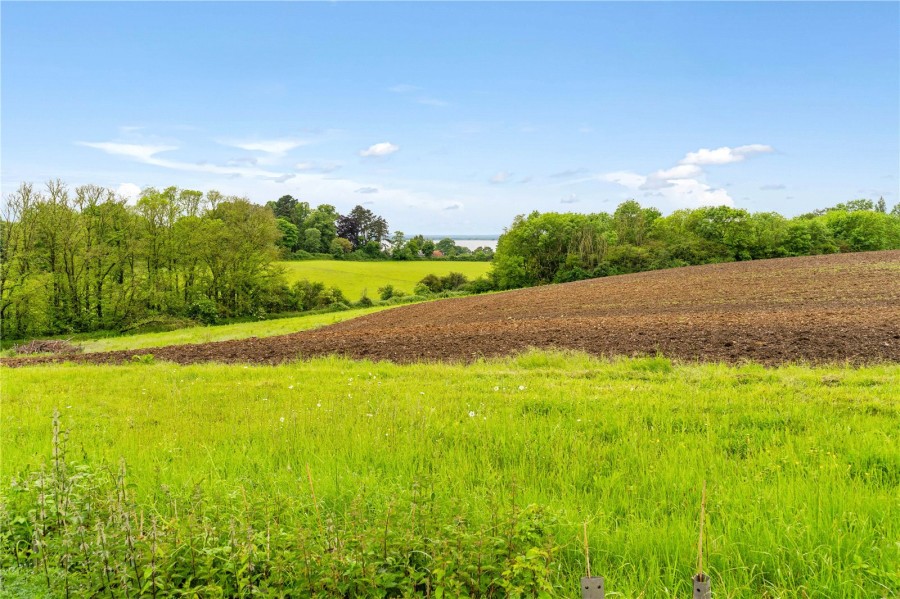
[587, 551]
[700, 540]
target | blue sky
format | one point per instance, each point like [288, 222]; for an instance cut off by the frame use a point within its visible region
[455, 117]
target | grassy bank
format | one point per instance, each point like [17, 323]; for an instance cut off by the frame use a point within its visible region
[355, 277]
[333, 476]
[225, 332]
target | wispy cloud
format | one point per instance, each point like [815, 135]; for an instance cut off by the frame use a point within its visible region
[571, 199]
[773, 187]
[429, 101]
[403, 88]
[420, 98]
[317, 167]
[500, 177]
[142, 152]
[277, 147]
[379, 150]
[147, 154]
[568, 173]
[453, 206]
[366, 190]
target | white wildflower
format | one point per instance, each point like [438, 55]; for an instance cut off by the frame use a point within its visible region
[471, 414]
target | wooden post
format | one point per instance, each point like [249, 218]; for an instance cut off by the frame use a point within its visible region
[592, 587]
[700, 581]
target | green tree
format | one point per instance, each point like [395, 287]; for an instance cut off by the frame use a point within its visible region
[290, 236]
[312, 240]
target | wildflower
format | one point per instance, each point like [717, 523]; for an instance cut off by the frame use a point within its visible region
[496, 388]
[471, 414]
[319, 404]
[290, 386]
[521, 387]
[281, 419]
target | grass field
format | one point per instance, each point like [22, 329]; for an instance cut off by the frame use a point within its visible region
[334, 477]
[354, 277]
[263, 328]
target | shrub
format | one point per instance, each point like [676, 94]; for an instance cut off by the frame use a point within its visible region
[433, 283]
[364, 301]
[453, 281]
[386, 292]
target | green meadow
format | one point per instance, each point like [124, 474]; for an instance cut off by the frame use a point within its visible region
[242, 330]
[332, 477]
[355, 277]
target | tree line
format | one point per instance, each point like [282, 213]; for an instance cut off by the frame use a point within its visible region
[322, 232]
[559, 247]
[83, 259]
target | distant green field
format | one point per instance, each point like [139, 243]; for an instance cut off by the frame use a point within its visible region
[334, 477]
[354, 277]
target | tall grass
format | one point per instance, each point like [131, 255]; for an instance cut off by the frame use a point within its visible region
[453, 480]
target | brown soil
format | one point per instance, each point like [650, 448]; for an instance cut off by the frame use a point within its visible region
[813, 309]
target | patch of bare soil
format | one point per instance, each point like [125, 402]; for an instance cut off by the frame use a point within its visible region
[813, 309]
[46, 346]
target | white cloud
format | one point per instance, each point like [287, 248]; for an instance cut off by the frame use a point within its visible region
[500, 177]
[682, 171]
[317, 167]
[681, 192]
[129, 191]
[384, 148]
[277, 147]
[624, 178]
[453, 206]
[141, 152]
[366, 190]
[684, 184]
[725, 155]
[572, 199]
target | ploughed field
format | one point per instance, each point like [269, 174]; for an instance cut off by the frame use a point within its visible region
[843, 307]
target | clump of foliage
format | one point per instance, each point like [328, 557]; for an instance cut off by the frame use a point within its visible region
[554, 247]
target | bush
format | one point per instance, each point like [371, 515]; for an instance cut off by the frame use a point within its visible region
[453, 281]
[364, 301]
[432, 283]
[386, 292]
[480, 285]
[204, 310]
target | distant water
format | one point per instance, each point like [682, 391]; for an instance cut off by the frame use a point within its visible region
[469, 241]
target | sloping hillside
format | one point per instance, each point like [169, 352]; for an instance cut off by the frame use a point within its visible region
[823, 308]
